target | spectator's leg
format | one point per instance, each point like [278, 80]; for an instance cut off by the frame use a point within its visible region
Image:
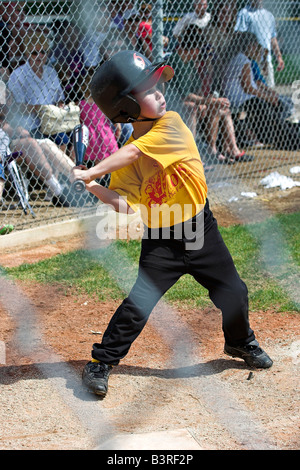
[230, 143]
[58, 160]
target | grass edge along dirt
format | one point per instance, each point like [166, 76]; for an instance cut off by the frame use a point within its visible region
[266, 254]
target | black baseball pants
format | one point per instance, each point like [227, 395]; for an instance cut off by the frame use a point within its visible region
[162, 263]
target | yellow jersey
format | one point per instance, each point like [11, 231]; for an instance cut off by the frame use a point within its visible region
[167, 183]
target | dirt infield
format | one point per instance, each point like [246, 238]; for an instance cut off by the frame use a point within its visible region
[163, 384]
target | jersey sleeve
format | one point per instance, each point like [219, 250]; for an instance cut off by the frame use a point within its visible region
[126, 183]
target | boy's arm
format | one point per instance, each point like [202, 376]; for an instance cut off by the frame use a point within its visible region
[107, 196]
[117, 160]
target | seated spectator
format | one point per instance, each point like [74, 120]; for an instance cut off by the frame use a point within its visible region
[199, 17]
[262, 104]
[67, 58]
[96, 32]
[42, 157]
[286, 102]
[219, 33]
[104, 38]
[102, 140]
[131, 20]
[16, 55]
[112, 43]
[123, 40]
[34, 84]
[117, 9]
[106, 22]
[221, 26]
[206, 66]
[209, 114]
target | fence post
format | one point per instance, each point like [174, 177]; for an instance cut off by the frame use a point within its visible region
[157, 30]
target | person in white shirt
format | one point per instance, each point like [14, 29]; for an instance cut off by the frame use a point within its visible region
[256, 19]
[261, 103]
[33, 84]
[97, 30]
[199, 17]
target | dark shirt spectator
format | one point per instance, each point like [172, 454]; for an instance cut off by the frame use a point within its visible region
[203, 114]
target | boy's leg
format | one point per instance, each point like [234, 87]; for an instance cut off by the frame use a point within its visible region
[213, 267]
[154, 279]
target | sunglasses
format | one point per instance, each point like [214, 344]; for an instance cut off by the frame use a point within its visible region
[41, 51]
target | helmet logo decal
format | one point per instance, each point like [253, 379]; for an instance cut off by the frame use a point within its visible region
[139, 61]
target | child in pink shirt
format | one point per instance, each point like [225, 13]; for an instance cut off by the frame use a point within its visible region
[102, 140]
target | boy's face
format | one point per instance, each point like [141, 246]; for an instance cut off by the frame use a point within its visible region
[152, 102]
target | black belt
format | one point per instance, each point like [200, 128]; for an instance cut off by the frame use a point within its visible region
[189, 233]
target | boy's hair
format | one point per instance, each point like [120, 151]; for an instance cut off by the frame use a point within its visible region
[192, 38]
[36, 38]
[245, 40]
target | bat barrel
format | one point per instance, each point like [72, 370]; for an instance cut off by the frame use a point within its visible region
[80, 141]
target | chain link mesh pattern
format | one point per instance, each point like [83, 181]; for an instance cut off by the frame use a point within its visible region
[236, 85]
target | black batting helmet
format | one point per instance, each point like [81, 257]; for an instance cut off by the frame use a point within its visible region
[116, 80]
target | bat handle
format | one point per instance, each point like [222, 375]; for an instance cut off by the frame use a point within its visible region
[78, 186]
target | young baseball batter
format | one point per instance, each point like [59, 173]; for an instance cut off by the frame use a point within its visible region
[159, 170]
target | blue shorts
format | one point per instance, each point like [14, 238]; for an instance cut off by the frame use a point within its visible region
[2, 175]
[61, 139]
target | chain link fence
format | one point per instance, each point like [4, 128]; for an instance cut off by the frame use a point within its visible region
[236, 85]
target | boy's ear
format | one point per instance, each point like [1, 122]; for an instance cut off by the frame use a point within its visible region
[127, 109]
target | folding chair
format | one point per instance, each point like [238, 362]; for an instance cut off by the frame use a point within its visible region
[18, 181]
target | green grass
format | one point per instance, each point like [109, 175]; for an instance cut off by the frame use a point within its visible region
[290, 73]
[266, 255]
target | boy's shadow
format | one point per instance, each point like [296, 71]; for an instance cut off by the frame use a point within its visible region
[208, 368]
[72, 370]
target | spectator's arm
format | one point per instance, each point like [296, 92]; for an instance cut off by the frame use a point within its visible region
[262, 92]
[277, 52]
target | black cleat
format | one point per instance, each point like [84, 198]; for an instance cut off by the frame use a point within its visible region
[252, 354]
[95, 377]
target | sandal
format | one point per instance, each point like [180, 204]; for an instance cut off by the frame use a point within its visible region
[242, 157]
[225, 159]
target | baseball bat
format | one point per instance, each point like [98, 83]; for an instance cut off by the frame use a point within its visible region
[80, 142]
